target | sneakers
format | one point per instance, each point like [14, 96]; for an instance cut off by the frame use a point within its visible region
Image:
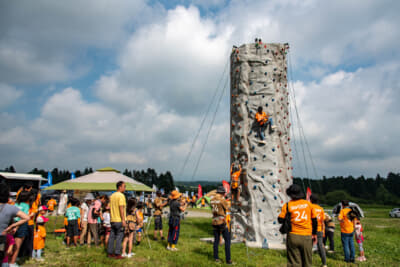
[173, 249]
[124, 255]
[168, 248]
[162, 238]
[155, 239]
[331, 251]
[130, 255]
[110, 255]
[361, 258]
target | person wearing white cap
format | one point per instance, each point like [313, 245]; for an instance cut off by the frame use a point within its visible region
[84, 215]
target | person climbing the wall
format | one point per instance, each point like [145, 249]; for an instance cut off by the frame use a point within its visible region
[219, 210]
[263, 121]
[235, 179]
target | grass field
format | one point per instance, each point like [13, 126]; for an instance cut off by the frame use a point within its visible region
[382, 248]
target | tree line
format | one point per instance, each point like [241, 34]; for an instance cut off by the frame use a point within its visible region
[148, 177]
[378, 190]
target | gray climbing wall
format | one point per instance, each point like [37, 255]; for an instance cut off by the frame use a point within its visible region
[259, 78]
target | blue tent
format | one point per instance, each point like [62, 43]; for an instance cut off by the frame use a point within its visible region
[49, 181]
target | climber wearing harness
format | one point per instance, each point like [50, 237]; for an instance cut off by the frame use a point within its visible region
[235, 179]
[219, 210]
[263, 121]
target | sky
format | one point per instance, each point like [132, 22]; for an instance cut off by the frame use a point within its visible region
[126, 83]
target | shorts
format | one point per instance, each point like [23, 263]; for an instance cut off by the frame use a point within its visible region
[22, 231]
[72, 228]
[139, 230]
[235, 190]
[157, 222]
[107, 230]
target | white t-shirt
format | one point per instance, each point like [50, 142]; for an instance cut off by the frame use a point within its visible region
[107, 219]
[85, 210]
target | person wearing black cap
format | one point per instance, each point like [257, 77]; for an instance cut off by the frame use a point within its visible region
[303, 227]
[219, 209]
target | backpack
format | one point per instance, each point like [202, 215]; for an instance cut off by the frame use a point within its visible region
[94, 215]
[354, 213]
[131, 222]
[286, 225]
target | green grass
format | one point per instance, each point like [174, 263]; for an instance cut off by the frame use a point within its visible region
[382, 236]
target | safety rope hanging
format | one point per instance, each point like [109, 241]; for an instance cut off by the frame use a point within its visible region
[203, 120]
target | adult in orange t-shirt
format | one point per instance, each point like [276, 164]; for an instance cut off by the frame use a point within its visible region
[235, 181]
[263, 121]
[320, 213]
[347, 232]
[303, 227]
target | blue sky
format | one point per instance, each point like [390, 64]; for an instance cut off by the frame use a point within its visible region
[126, 83]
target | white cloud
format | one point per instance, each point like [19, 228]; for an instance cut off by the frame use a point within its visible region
[165, 65]
[8, 95]
[126, 158]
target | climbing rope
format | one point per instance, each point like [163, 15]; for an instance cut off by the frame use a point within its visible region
[210, 127]
[203, 121]
[302, 137]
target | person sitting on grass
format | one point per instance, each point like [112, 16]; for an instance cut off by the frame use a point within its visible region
[130, 230]
[174, 220]
[39, 238]
[263, 121]
[139, 223]
[73, 214]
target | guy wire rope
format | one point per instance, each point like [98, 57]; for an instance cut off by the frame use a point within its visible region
[302, 129]
[209, 129]
[202, 122]
[293, 96]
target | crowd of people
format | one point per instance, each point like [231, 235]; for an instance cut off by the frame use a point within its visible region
[118, 224]
[311, 226]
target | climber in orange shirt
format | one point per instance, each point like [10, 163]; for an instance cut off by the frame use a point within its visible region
[235, 180]
[263, 121]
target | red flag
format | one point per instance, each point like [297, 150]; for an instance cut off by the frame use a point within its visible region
[199, 192]
[227, 187]
[308, 194]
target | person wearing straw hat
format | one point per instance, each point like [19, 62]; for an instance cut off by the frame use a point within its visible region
[219, 211]
[174, 219]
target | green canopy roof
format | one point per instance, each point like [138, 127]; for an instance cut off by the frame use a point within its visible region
[101, 180]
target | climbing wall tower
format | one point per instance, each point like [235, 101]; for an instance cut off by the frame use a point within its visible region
[259, 78]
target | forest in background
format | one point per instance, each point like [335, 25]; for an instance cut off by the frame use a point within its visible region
[378, 190]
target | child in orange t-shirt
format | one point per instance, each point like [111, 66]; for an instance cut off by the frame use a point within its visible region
[39, 238]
